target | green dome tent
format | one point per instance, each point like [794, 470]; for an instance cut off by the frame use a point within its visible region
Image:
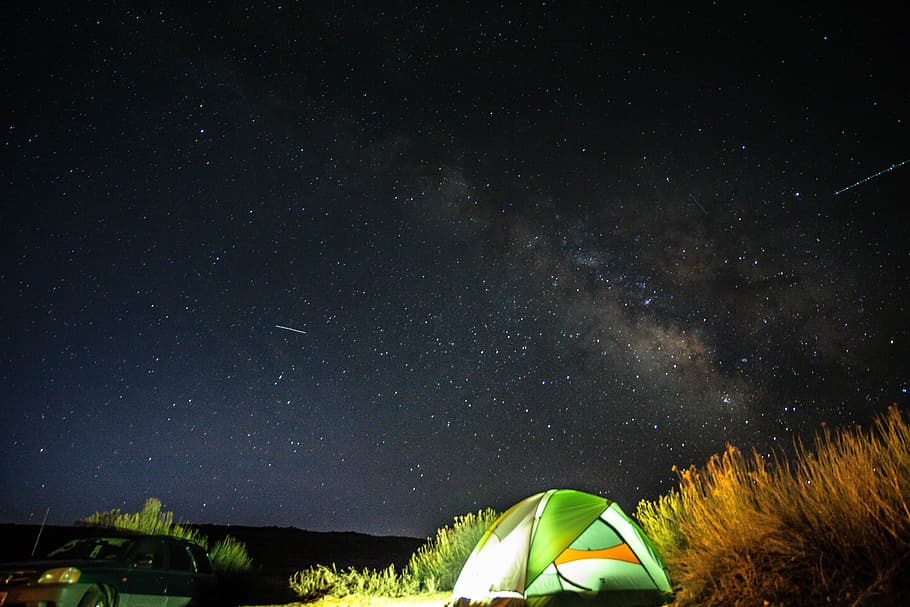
[562, 548]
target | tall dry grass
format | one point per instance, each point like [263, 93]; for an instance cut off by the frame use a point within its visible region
[433, 568]
[437, 564]
[831, 525]
[229, 555]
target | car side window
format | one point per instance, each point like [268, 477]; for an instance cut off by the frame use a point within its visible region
[179, 558]
[148, 554]
[203, 563]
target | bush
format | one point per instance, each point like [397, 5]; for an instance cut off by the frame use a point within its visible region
[436, 564]
[833, 526]
[228, 555]
[434, 567]
[315, 582]
[320, 580]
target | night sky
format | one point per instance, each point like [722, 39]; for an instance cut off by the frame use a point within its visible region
[370, 267]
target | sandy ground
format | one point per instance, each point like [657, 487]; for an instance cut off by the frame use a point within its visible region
[437, 599]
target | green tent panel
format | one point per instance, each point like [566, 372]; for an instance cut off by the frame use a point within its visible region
[564, 516]
[560, 548]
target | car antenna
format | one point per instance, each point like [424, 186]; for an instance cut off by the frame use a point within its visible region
[40, 529]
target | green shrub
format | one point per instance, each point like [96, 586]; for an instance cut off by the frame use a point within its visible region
[436, 564]
[315, 582]
[434, 567]
[228, 555]
[830, 527]
[319, 581]
[150, 520]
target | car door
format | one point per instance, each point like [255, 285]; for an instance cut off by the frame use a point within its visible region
[144, 583]
[181, 575]
[206, 581]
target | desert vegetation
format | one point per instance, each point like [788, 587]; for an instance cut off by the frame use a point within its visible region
[228, 555]
[830, 525]
[433, 568]
[827, 525]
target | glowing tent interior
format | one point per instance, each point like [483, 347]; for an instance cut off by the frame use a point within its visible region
[563, 547]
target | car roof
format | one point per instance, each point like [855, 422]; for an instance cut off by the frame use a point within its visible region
[126, 534]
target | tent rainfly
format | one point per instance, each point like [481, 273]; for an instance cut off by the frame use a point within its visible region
[563, 548]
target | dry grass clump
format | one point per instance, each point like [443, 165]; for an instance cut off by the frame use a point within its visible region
[437, 599]
[229, 555]
[433, 568]
[830, 526]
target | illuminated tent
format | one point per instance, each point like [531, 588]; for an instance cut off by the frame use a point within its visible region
[563, 547]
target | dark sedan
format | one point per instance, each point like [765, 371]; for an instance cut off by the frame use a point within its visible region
[112, 571]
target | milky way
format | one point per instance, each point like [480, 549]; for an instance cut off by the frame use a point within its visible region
[364, 268]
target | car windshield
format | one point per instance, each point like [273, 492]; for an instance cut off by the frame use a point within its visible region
[95, 548]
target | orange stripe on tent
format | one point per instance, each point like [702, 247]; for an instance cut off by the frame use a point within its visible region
[617, 553]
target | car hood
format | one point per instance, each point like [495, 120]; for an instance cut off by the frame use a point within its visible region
[45, 564]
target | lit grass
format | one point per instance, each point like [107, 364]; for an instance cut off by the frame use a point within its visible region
[432, 569]
[229, 555]
[829, 526]
[436, 564]
[437, 599]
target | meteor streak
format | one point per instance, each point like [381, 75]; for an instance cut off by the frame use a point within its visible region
[870, 177]
[290, 329]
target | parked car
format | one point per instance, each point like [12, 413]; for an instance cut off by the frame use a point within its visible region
[112, 571]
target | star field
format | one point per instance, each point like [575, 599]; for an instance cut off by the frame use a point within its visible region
[371, 267]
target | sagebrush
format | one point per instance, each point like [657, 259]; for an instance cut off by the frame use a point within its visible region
[229, 555]
[831, 525]
[434, 567]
